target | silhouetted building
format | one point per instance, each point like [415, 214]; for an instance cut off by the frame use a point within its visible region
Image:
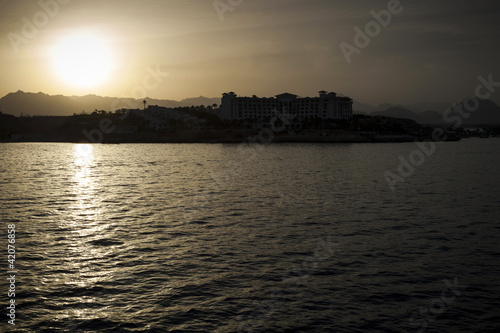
[326, 106]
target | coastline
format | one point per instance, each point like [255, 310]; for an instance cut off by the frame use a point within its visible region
[227, 137]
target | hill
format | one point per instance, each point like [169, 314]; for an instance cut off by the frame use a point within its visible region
[40, 104]
[440, 107]
[487, 113]
[427, 117]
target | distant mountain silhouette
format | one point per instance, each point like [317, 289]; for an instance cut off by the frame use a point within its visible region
[40, 104]
[401, 112]
[430, 117]
[487, 113]
[434, 106]
[359, 107]
[416, 107]
[398, 112]
[200, 101]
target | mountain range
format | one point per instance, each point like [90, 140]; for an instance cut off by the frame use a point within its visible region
[487, 113]
[40, 104]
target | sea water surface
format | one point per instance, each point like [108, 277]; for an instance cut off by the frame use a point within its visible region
[231, 238]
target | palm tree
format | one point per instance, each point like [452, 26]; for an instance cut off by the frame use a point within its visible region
[144, 101]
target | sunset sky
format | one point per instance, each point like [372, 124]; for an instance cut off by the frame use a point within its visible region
[430, 51]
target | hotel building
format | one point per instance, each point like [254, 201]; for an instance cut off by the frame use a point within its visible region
[326, 106]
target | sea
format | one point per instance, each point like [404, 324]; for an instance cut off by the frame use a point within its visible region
[379, 237]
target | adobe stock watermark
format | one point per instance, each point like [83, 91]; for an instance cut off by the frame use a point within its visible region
[223, 6]
[151, 81]
[11, 273]
[373, 28]
[453, 116]
[39, 20]
[428, 314]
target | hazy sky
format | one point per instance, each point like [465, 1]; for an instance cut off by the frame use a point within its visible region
[430, 51]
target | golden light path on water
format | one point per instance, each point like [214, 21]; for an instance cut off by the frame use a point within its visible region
[87, 226]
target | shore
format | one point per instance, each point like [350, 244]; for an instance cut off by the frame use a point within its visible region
[226, 136]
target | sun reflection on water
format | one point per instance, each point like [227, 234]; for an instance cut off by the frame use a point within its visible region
[84, 154]
[84, 182]
[86, 225]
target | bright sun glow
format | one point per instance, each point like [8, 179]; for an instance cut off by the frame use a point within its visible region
[84, 154]
[82, 60]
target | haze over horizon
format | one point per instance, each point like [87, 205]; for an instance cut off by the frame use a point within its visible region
[428, 52]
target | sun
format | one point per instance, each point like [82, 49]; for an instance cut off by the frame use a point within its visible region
[82, 59]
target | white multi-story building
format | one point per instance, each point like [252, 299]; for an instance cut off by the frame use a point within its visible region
[326, 106]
